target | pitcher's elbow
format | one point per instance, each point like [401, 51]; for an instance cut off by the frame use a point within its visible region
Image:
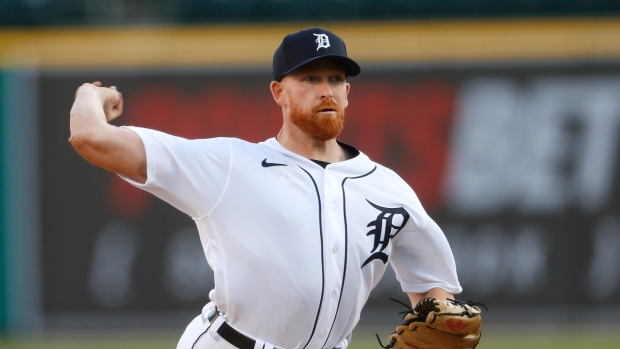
[77, 141]
[83, 144]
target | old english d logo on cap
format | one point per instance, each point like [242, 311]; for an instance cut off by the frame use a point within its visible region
[322, 40]
[309, 45]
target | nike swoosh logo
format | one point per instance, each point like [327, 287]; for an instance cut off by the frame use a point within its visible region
[270, 164]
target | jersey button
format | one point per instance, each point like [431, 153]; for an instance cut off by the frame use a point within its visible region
[334, 293]
[334, 250]
[333, 207]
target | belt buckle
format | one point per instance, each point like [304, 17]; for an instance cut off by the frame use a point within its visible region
[211, 314]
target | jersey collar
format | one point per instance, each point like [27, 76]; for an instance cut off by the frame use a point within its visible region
[356, 166]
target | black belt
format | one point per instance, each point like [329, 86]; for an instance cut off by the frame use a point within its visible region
[231, 335]
[234, 337]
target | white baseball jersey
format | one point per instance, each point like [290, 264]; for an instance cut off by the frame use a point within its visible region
[296, 248]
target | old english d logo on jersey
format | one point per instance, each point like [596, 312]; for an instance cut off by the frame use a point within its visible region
[388, 224]
[322, 41]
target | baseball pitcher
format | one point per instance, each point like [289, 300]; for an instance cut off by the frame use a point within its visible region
[298, 229]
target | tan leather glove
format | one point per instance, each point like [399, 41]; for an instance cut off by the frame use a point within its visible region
[438, 324]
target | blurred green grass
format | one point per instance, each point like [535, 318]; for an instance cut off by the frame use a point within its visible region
[502, 339]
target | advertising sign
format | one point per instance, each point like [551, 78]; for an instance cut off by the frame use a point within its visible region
[519, 168]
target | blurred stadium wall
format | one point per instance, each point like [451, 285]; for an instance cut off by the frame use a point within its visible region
[505, 119]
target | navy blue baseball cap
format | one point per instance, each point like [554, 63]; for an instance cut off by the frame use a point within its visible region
[309, 45]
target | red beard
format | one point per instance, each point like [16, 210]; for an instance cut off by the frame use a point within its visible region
[318, 127]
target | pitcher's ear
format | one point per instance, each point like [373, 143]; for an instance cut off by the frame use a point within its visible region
[277, 91]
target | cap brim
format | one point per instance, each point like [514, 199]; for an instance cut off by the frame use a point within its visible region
[351, 68]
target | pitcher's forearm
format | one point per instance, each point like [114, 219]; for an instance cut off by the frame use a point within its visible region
[90, 131]
[437, 292]
[86, 113]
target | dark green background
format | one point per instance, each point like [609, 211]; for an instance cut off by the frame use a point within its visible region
[75, 12]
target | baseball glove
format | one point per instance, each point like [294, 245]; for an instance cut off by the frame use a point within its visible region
[437, 324]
